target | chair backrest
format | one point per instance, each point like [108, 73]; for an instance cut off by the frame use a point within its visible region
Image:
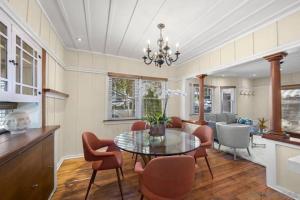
[175, 122]
[138, 126]
[90, 143]
[169, 177]
[205, 134]
[236, 136]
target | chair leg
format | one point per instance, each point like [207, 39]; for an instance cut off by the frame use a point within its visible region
[119, 182]
[135, 159]
[121, 169]
[142, 197]
[219, 147]
[212, 176]
[234, 153]
[91, 182]
[248, 151]
[132, 156]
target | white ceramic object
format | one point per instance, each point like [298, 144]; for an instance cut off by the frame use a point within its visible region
[17, 122]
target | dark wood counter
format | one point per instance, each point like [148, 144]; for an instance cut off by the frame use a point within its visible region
[13, 144]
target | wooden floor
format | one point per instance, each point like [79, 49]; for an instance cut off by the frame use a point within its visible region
[239, 179]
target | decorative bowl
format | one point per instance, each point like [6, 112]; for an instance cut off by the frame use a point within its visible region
[17, 122]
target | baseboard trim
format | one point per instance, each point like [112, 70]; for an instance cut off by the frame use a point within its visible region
[62, 159]
[284, 191]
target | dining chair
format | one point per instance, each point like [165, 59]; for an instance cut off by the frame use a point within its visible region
[111, 159]
[205, 134]
[175, 122]
[166, 178]
[138, 126]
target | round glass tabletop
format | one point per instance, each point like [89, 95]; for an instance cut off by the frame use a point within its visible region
[173, 143]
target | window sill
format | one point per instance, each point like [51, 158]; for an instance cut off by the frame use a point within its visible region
[120, 121]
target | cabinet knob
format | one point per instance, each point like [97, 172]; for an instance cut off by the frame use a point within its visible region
[35, 186]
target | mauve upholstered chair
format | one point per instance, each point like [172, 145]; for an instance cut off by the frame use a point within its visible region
[205, 134]
[166, 178]
[138, 126]
[175, 122]
[111, 159]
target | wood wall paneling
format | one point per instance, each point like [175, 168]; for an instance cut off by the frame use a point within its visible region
[244, 47]
[289, 29]
[227, 54]
[265, 38]
[34, 16]
[20, 7]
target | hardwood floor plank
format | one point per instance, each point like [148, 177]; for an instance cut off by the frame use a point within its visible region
[233, 180]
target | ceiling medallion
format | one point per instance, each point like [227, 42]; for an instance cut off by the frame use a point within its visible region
[164, 53]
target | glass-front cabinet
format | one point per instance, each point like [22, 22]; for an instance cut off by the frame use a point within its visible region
[20, 72]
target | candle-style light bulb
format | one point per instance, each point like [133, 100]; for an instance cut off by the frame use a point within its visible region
[148, 42]
[169, 52]
[144, 50]
[177, 45]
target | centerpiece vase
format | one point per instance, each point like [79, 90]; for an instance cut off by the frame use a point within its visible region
[158, 130]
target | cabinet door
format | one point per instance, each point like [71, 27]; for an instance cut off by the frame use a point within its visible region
[5, 49]
[48, 166]
[27, 71]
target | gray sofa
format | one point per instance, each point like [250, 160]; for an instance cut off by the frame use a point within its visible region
[213, 118]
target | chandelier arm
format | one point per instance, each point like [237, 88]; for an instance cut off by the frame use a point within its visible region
[177, 56]
[148, 63]
[168, 60]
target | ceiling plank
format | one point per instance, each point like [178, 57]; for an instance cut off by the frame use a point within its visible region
[122, 40]
[87, 11]
[66, 20]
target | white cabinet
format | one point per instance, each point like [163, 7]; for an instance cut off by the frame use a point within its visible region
[20, 71]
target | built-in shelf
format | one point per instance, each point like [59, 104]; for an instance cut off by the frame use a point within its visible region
[55, 92]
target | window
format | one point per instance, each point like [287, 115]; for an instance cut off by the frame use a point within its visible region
[132, 97]
[152, 97]
[123, 98]
[208, 99]
[291, 109]
[227, 99]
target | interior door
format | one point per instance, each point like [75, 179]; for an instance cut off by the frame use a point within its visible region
[228, 100]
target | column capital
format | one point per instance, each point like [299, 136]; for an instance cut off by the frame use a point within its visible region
[201, 76]
[276, 57]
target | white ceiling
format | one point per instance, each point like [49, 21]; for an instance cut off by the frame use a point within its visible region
[261, 68]
[122, 27]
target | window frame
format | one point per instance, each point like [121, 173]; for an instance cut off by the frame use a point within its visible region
[138, 94]
[192, 107]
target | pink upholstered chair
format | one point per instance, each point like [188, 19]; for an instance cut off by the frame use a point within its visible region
[175, 122]
[138, 126]
[205, 134]
[166, 178]
[111, 159]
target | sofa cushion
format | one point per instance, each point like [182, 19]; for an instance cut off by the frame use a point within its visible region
[210, 117]
[222, 117]
[231, 118]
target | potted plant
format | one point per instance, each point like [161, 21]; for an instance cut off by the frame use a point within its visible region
[157, 122]
[262, 124]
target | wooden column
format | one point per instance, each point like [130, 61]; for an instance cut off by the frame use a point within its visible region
[201, 78]
[275, 91]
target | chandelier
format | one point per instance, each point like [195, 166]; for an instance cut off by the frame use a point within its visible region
[164, 53]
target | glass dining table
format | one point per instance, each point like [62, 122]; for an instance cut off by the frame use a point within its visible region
[175, 142]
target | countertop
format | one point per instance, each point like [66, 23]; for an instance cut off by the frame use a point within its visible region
[13, 144]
